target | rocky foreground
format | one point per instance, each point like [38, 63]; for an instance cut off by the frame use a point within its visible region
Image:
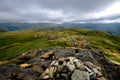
[32, 65]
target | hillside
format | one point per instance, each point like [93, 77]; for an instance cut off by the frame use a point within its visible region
[15, 43]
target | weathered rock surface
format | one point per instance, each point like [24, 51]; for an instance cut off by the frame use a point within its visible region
[13, 71]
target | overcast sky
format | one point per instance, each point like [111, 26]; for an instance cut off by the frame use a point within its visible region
[77, 11]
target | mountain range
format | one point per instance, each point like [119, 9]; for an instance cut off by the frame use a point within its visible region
[112, 28]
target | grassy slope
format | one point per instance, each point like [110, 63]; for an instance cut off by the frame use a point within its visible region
[15, 43]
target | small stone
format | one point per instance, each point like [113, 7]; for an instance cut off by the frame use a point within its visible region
[25, 65]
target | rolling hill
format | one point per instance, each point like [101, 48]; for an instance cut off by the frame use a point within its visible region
[14, 43]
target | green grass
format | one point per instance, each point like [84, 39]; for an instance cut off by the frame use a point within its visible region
[27, 41]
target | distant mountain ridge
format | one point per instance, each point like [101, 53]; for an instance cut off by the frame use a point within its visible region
[112, 28]
[22, 26]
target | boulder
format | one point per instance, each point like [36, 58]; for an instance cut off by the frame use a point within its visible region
[48, 55]
[80, 75]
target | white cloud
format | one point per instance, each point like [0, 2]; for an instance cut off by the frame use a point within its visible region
[111, 10]
[111, 21]
[59, 11]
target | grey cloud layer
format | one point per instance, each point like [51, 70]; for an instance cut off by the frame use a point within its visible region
[52, 10]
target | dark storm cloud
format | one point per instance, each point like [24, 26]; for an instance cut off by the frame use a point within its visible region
[53, 10]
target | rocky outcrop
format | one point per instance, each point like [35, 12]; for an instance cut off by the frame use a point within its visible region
[89, 58]
[110, 70]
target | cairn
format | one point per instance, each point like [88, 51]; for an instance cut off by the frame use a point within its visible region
[70, 68]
